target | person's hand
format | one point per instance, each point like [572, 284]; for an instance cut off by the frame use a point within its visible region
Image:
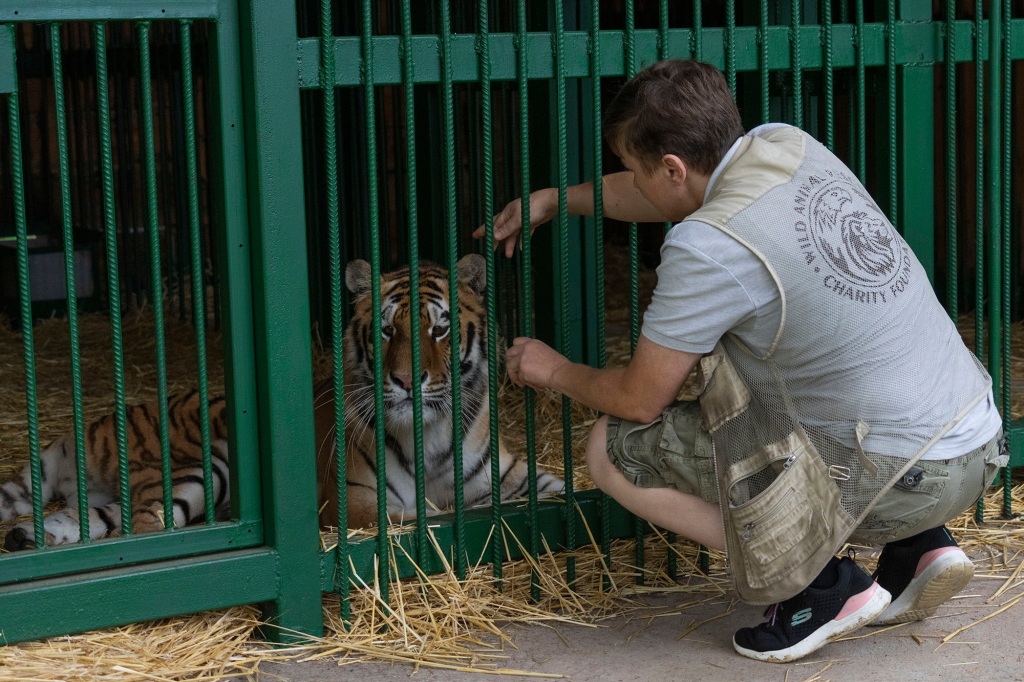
[532, 363]
[509, 223]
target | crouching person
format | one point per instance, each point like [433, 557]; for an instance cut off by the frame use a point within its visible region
[838, 402]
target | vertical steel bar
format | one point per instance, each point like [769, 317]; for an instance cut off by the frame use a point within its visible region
[563, 272]
[1007, 149]
[890, 68]
[195, 237]
[698, 30]
[639, 525]
[408, 83]
[113, 284]
[72, 290]
[153, 227]
[484, 47]
[830, 132]
[995, 204]
[597, 174]
[762, 59]
[796, 67]
[25, 297]
[448, 117]
[861, 118]
[952, 242]
[327, 73]
[663, 51]
[529, 397]
[997, 291]
[979, 208]
[370, 114]
[730, 45]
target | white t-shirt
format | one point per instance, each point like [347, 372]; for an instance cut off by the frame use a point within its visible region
[710, 284]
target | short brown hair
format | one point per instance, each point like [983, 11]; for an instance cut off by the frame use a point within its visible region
[681, 107]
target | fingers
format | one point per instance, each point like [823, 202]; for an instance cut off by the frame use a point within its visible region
[507, 227]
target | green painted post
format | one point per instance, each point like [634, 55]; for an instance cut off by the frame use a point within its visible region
[283, 356]
[916, 151]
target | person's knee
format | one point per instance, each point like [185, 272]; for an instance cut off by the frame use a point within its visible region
[598, 463]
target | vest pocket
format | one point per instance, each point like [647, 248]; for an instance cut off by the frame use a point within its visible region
[785, 525]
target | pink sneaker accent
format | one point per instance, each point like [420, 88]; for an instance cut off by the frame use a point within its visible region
[856, 602]
[928, 557]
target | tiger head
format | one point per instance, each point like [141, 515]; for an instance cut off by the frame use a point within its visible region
[435, 336]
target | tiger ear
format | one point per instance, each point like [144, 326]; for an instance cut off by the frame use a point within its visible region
[473, 272]
[357, 277]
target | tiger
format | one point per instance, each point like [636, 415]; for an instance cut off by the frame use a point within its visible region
[59, 474]
[436, 385]
[58, 465]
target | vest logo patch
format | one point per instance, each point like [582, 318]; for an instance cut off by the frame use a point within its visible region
[848, 242]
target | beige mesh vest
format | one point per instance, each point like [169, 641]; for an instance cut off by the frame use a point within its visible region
[807, 438]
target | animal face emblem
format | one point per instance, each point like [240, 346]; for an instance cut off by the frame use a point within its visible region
[853, 235]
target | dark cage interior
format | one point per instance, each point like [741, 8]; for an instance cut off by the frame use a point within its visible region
[41, 163]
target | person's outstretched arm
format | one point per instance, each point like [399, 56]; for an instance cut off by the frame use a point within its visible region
[622, 201]
[638, 392]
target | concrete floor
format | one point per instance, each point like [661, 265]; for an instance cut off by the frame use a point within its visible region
[649, 646]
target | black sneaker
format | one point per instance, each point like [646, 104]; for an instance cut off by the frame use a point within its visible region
[921, 572]
[816, 616]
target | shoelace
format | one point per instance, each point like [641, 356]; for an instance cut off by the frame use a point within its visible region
[771, 613]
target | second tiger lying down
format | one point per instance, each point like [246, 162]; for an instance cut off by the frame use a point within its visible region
[58, 459]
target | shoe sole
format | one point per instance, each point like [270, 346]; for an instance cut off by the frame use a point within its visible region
[937, 584]
[830, 631]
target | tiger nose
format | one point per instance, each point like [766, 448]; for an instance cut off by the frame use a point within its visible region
[405, 380]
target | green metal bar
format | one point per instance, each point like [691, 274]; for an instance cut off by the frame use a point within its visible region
[730, 45]
[195, 235]
[8, 63]
[671, 566]
[890, 68]
[113, 284]
[828, 48]
[663, 49]
[228, 176]
[629, 43]
[763, 60]
[529, 397]
[341, 566]
[153, 227]
[597, 174]
[498, 545]
[370, 114]
[916, 43]
[860, 115]
[697, 35]
[422, 541]
[69, 560]
[912, 162]
[109, 10]
[60, 114]
[448, 115]
[796, 66]
[952, 241]
[997, 290]
[563, 273]
[1007, 243]
[979, 209]
[174, 587]
[284, 386]
[25, 298]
